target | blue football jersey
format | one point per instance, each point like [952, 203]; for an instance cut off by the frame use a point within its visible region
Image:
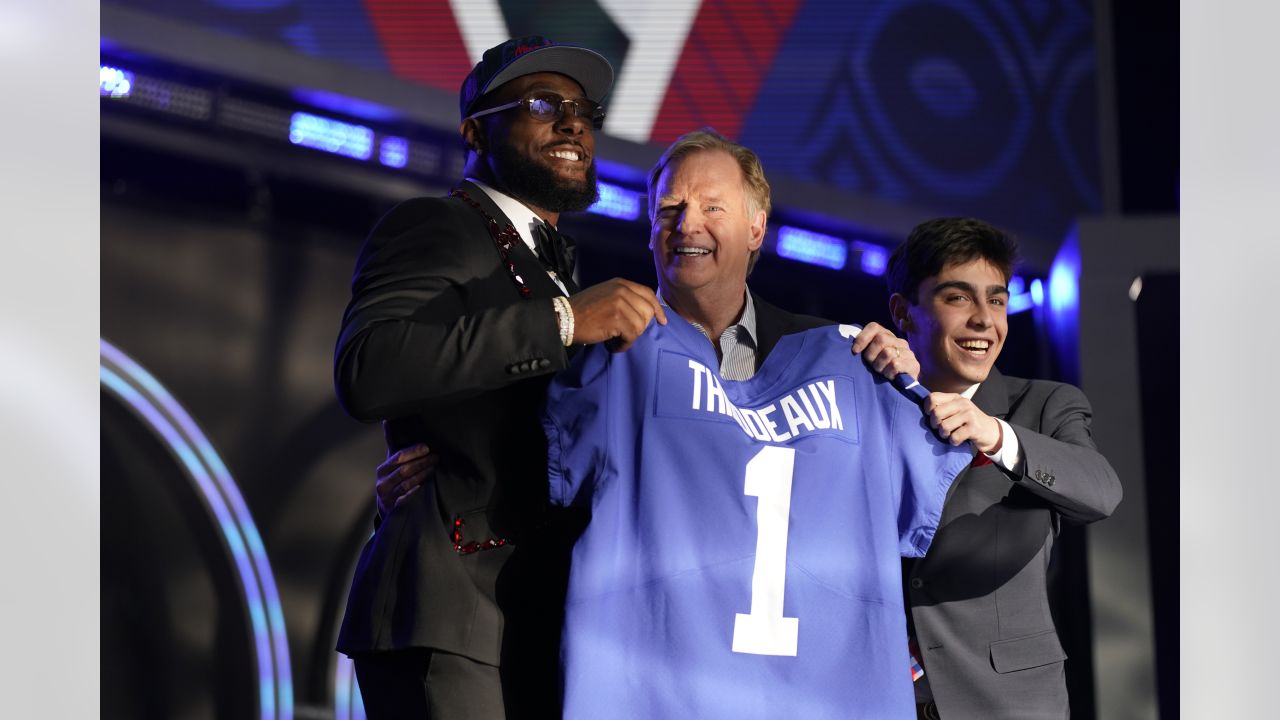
[742, 558]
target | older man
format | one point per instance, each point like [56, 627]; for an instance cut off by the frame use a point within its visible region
[748, 511]
[709, 204]
[457, 320]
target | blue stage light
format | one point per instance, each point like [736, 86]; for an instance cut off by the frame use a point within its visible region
[394, 152]
[1019, 303]
[1017, 285]
[332, 136]
[810, 247]
[1064, 284]
[875, 259]
[617, 202]
[1062, 296]
[620, 172]
[1037, 292]
[114, 82]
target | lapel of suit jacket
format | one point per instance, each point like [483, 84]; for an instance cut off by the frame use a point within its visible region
[992, 396]
[527, 264]
[770, 327]
[772, 323]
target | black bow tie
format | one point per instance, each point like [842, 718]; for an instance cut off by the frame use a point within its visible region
[556, 252]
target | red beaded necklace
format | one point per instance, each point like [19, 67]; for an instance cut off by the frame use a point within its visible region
[504, 237]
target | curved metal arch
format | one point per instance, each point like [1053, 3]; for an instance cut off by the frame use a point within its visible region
[154, 405]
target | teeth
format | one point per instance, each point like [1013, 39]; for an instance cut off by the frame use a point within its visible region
[975, 344]
[566, 155]
[691, 251]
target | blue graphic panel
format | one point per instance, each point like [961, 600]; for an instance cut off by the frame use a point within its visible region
[975, 107]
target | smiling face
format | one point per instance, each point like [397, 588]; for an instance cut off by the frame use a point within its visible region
[547, 165]
[957, 327]
[703, 230]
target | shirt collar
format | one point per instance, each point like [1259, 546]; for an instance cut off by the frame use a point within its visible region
[744, 330]
[522, 218]
[969, 392]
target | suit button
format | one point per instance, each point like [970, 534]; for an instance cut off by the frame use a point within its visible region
[512, 369]
[916, 583]
[543, 363]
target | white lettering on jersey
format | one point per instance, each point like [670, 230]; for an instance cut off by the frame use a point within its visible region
[804, 410]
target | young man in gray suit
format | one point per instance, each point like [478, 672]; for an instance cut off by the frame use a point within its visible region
[978, 602]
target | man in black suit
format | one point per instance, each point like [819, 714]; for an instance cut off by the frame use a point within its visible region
[461, 309]
[978, 601]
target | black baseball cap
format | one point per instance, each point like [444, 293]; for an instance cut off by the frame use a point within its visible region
[532, 54]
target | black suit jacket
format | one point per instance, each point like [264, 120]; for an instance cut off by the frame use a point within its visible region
[979, 598]
[773, 322]
[439, 341]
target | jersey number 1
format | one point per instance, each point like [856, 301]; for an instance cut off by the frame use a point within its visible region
[765, 631]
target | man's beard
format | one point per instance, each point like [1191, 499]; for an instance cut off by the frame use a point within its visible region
[539, 186]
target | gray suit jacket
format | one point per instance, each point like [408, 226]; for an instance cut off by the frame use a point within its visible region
[979, 598]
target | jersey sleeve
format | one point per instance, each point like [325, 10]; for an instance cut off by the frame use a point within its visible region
[576, 422]
[926, 467]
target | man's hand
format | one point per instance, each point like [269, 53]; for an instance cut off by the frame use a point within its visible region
[616, 310]
[957, 419]
[885, 352]
[401, 475]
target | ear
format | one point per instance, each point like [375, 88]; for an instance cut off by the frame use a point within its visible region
[472, 135]
[899, 310]
[758, 225]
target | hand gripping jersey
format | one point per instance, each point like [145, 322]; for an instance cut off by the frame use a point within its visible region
[742, 558]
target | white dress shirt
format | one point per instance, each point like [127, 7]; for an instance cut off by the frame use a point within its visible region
[1009, 456]
[737, 343]
[522, 219]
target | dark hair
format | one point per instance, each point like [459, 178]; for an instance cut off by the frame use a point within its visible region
[935, 244]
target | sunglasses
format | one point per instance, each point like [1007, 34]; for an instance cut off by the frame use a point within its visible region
[549, 107]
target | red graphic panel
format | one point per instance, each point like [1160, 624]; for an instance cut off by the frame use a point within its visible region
[726, 57]
[421, 41]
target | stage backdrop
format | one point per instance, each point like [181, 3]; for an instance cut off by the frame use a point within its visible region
[976, 107]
